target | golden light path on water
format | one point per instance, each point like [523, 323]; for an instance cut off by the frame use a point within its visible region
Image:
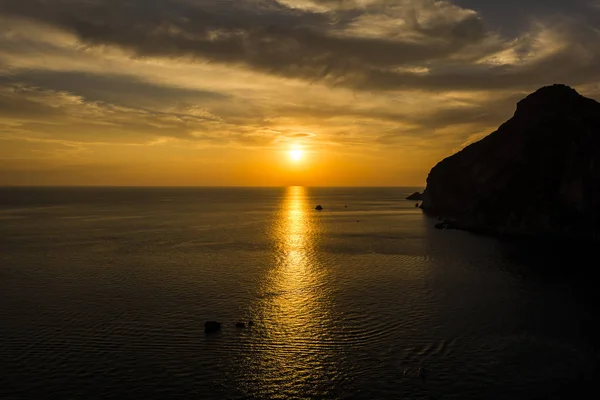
[296, 307]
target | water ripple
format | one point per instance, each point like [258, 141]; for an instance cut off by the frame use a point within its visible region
[95, 305]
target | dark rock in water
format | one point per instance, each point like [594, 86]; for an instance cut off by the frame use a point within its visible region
[240, 325]
[318, 208]
[345, 206]
[415, 196]
[250, 323]
[538, 174]
[212, 326]
[447, 224]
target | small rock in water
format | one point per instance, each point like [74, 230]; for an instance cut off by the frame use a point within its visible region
[447, 224]
[212, 326]
[240, 325]
[250, 323]
[319, 207]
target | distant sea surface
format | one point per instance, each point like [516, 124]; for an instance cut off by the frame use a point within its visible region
[104, 293]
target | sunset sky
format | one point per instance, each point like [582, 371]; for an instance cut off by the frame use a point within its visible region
[272, 92]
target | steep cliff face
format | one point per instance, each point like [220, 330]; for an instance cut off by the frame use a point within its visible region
[538, 173]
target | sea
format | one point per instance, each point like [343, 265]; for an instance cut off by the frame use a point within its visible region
[104, 293]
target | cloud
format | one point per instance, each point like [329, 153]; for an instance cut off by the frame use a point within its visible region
[32, 114]
[118, 89]
[28, 111]
[267, 36]
[366, 45]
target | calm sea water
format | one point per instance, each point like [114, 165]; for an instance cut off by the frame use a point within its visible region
[104, 293]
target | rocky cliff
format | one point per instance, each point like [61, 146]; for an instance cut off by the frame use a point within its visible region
[539, 173]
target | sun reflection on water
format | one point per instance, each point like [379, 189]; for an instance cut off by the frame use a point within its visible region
[295, 305]
[295, 279]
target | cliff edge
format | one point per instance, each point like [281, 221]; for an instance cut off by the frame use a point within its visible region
[539, 173]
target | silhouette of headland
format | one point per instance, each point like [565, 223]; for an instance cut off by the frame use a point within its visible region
[538, 174]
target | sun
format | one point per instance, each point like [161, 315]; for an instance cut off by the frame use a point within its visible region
[296, 154]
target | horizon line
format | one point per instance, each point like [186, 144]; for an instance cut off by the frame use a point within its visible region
[206, 186]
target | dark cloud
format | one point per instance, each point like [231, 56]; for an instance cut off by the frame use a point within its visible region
[577, 62]
[273, 37]
[124, 90]
[265, 35]
[513, 16]
[20, 108]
